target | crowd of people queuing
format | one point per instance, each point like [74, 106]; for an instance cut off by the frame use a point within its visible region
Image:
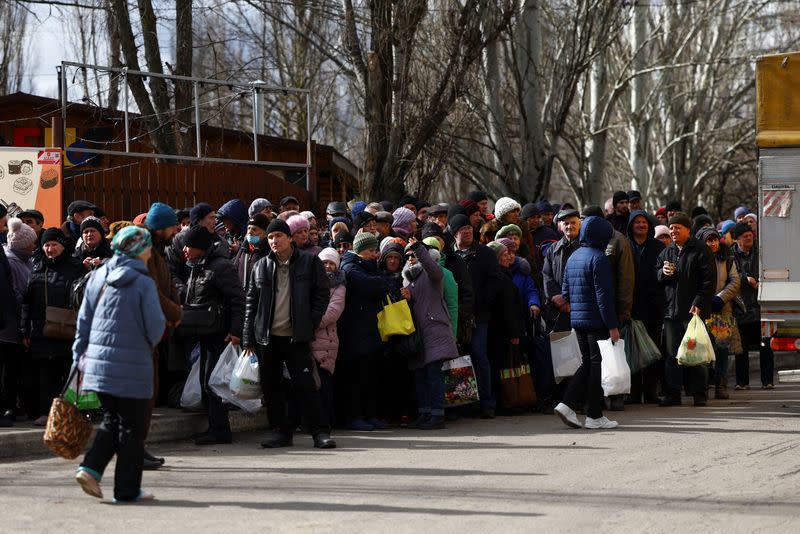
[302, 291]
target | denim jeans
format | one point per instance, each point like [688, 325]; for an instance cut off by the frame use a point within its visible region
[480, 361]
[121, 433]
[696, 378]
[430, 389]
[586, 384]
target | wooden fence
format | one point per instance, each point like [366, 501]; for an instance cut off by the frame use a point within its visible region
[128, 190]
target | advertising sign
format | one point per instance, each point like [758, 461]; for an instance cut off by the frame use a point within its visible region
[30, 178]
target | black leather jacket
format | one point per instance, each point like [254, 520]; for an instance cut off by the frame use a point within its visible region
[213, 279]
[310, 294]
[694, 282]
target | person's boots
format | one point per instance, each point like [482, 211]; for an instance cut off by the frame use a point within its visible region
[721, 391]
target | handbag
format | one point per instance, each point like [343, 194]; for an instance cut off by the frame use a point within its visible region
[200, 320]
[516, 381]
[395, 319]
[59, 323]
[68, 430]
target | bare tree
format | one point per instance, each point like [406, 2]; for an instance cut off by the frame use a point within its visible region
[13, 28]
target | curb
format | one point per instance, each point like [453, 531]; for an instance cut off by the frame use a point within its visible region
[167, 425]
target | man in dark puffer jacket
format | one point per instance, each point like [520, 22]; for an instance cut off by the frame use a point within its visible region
[589, 292]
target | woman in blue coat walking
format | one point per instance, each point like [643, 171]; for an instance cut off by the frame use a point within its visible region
[588, 289]
[119, 323]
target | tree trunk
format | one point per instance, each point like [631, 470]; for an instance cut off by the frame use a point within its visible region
[183, 67]
[639, 127]
[593, 188]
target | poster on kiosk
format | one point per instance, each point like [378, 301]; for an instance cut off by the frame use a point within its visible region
[30, 178]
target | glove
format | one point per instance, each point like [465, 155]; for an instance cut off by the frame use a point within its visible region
[716, 303]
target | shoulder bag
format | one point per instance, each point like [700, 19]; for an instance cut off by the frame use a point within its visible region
[59, 323]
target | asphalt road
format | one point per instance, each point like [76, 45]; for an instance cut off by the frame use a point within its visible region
[730, 467]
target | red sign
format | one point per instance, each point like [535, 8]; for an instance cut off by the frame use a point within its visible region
[49, 157]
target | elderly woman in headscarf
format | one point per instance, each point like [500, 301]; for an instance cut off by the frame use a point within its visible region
[119, 323]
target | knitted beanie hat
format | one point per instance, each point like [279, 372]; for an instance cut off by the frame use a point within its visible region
[116, 226]
[197, 237]
[57, 235]
[20, 236]
[741, 211]
[92, 222]
[364, 241]
[432, 242]
[680, 218]
[505, 205]
[509, 244]
[402, 220]
[509, 229]
[297, 223]
[131, 241]
[199, 212]
[258, 205]
[498, 247]
[161, 216]
[661, 230]
[330, 254]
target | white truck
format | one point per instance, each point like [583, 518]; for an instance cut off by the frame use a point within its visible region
[778, 144]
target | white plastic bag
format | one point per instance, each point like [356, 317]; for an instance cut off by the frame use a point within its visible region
[566, 354]
[220, 380]
[245, 380]
[696, 347]
[192, 397]
[614, 371]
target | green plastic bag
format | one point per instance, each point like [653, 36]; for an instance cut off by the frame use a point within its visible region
[696, 348]
[85, 400]
[640, 350]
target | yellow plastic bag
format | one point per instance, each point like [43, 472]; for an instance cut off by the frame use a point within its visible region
[395, 319]
[696, 347]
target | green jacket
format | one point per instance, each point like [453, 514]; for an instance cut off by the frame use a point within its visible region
[450, 296]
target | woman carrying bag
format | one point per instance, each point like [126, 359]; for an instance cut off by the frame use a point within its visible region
[46, 310]
[119, 323]
[424, 286]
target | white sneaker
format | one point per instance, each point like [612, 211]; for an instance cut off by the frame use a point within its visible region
[601, 422]
[567, 415]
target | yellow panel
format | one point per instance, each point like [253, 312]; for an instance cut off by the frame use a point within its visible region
[70, 136]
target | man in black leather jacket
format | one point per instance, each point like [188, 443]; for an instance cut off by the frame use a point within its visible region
[687, 272]
[286, 299]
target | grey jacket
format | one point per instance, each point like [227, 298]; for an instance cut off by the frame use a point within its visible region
[430, 312]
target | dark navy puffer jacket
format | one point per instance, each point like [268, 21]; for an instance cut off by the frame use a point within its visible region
[587, 284]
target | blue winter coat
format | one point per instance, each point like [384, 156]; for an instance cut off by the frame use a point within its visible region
[118, 329]
[587, 284]
[366, 296]
[521, 274]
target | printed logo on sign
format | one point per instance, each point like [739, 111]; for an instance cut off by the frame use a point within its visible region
[49, 157]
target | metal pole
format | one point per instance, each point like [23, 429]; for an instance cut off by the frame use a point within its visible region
[197, 117]
[308, 140]
[127, 126]
[255, 128]
[63, 105]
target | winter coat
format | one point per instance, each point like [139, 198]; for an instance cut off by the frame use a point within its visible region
[483, 269]
[177, 262]
[450, 296]
[648, 295]
[19, 273]
[102, 251]
[7, 314]
[168, 297]
[521, 274]
[246, 257]
[213, 280]
[235, 210]
[727, 287]
[623, 275]
[508, 314]
[430, 312]
[309, 296]
[747, 265]
[326, 339]
[555, 263]
[619, 222]
[543, 238]
[61, 273]
[118, 326]
[694, 281]
[588, 285]
[366, 296]
[394, 280]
